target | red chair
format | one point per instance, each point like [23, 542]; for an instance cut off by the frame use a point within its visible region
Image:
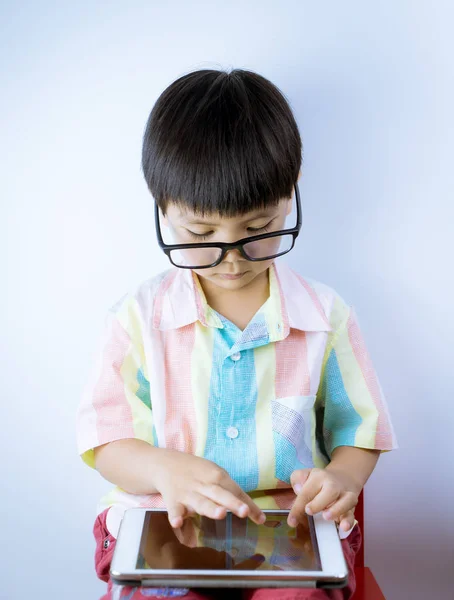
[367, 587]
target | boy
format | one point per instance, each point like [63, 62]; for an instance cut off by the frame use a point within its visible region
[230, 382]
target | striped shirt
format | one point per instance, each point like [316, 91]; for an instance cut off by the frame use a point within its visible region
[279, 395]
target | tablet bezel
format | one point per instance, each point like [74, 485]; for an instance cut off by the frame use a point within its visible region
[334, 571]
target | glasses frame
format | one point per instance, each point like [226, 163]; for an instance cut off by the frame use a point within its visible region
[227, 246]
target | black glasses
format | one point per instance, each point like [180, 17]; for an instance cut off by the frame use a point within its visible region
[204, 255]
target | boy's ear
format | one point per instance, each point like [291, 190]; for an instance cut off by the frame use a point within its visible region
[299, 174]
[288, 208]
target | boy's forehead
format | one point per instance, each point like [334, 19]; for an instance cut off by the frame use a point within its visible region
[184, 213]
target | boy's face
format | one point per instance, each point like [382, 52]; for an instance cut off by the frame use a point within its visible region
[234, 272]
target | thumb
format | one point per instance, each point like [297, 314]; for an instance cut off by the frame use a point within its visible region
[298, 478]
[347, 520]
[176, 514]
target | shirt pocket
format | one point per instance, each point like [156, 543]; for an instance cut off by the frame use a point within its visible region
[293, 432]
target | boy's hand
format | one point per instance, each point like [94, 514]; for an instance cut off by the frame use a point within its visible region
[193, 485]
[318, 490]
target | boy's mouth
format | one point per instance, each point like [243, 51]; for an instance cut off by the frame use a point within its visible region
[231, 276]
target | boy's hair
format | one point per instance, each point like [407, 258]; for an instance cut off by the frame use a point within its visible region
[219, 142]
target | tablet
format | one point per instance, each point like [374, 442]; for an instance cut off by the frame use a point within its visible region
[231, 552]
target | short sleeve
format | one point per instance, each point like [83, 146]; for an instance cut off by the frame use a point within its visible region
[351, 403]
[116, 402]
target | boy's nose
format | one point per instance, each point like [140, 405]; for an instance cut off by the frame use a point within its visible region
[232, 255]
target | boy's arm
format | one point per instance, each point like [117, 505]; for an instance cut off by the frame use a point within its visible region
[188, 484]
[354, 464]
[129, 464]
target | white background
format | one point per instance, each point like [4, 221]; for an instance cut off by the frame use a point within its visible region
[371, 85]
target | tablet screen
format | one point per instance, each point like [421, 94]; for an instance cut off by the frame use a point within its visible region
[228, 544]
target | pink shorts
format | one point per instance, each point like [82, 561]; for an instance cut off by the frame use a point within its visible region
[105, 544]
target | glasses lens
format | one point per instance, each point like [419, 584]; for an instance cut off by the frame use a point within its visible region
[269, 247]
[195, 257]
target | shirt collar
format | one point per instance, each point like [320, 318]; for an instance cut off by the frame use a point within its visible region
[293, 303]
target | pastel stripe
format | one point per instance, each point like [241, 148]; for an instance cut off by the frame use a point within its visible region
[201, 365]
[202, 306]
[158, 383]
[232, 402]
[239, 391]
[313, 296]
[356, 391]
[140, 416]
[320, 461]
[292, 368]
[315, 342]
[134, 373]
[180, 423]
[104, 411]
[111, 402]
[276, 292]
[161, 296]
[384, 434]
[342, 418]
[265, 376]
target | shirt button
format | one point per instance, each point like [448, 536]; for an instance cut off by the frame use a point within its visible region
[236, 356]
[232, 432]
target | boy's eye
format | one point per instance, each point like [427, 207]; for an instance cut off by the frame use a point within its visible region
[203, 236]
[199, 236]
[263, 229]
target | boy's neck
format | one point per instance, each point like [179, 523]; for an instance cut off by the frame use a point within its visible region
[238, 306]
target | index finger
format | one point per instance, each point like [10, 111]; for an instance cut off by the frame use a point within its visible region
[311, 488]
[253, 511]
[229, 494]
